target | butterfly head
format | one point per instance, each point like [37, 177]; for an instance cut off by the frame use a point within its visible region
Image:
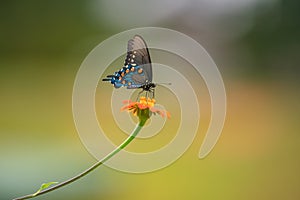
[148, 86]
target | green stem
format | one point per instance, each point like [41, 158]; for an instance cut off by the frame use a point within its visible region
[97, 164]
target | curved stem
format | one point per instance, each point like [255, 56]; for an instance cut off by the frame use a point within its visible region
[87, 171]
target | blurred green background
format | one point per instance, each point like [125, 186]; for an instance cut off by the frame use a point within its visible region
[256, 46]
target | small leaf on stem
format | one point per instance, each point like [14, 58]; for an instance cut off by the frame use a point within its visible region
[44, 186]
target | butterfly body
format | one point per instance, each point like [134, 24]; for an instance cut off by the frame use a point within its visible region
[137, 70]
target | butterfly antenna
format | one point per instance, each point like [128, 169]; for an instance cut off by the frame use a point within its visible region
[163, 83]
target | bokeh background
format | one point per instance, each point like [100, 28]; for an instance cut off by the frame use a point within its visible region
[254, 43]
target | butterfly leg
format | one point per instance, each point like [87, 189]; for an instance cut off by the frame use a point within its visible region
[152, 92]
[139, 94]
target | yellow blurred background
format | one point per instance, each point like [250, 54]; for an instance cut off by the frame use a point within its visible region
[254, 43]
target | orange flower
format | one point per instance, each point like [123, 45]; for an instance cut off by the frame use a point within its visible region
[143, 108]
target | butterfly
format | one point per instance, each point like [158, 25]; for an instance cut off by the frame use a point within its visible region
[137, 70]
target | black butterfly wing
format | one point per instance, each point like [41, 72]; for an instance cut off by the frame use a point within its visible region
[137, 70]
[138, 54]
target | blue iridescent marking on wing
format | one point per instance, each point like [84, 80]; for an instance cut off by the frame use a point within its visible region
[129, 76]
